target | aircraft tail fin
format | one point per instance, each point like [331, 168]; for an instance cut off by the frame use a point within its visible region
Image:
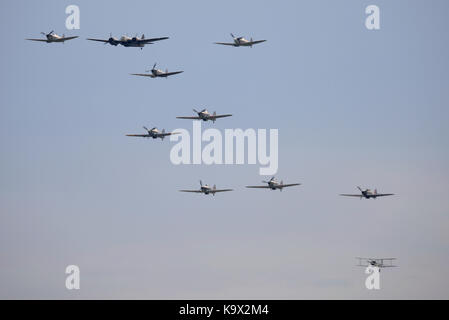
[282, 183]
[251, 42]
[143, 36]
[162, 137]
[214, 114]
[213, 189]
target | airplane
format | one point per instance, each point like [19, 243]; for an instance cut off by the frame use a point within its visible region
[205, 116]
[129, 42]
[206, 189]
[153, 133]
[376, 262]
[53, 37]
[367, 194]
[273, 185]
[155, 73]
[241, 42]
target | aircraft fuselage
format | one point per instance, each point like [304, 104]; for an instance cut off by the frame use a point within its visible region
[206, 189]
[241, 42]
[204, 115]
[367, 194]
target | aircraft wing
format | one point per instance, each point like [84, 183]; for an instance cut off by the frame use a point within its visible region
[225, 43]
[261, 187]
[170, 73]
[220, 116]
[379, 261]
[42, 40]
[143, 74]
[138, 135]
[290, 185]
[384, 194]
[148, 41]
[192, 118]
[195, 191]
[222, 190]
[68, 38]
[352, 195]
[258, 41]
[386, 266]
[100, 40]
[166, 134]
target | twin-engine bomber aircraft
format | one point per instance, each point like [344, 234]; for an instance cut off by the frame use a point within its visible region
[241, 42]
[206, 189]
[367, 194]
[376, 262]
[205, 116]
[129, 42]
[53, 37]
[155, 73]
[153, 133]
[273, 185]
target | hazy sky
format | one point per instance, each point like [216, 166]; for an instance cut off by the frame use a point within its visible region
[353, 107]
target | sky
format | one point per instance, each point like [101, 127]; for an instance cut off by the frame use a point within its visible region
[352, 106]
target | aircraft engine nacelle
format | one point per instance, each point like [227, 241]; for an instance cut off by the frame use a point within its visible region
[112, 41]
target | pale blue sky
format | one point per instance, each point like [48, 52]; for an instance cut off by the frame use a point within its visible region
[353, 107]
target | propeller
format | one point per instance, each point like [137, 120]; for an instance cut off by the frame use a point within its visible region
[154, 66]
[272, 179]
[195, 111]
[111, 39]
[359, 189]
[146, 129]
[201, 183]
[232, 35]
[47, 34]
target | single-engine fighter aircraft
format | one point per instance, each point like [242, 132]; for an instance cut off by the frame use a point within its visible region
[376, 262]
[241, 42]
[367, 194]
[155, 73]
[153, 133]
[205, 116]
[206, 189]
[128, 42]
[273, 185]
[53, 37]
